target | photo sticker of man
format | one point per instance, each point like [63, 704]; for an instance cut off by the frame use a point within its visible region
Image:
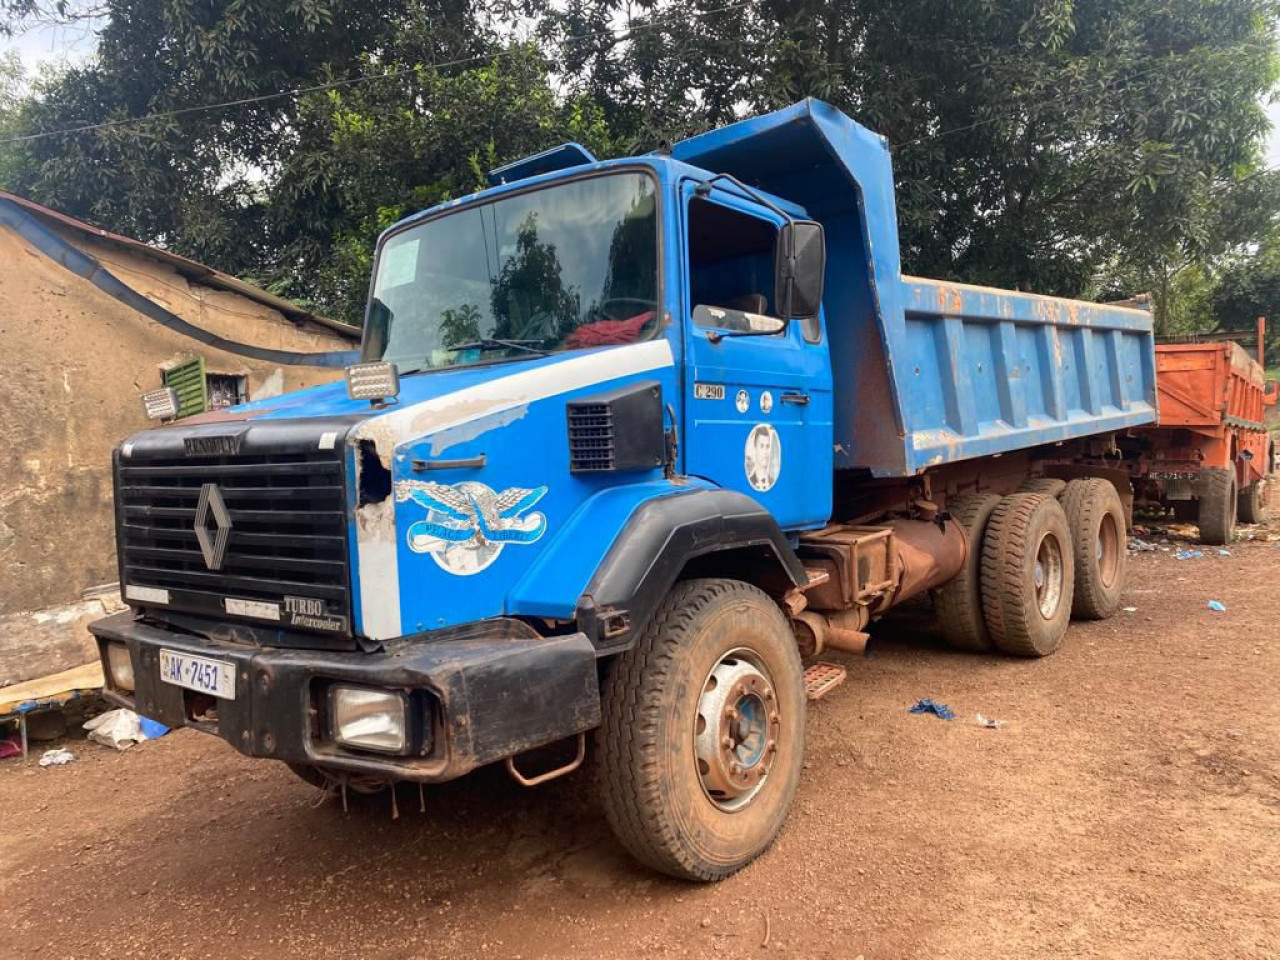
[763, 457]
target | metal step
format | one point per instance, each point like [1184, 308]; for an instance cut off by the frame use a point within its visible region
[821, 678]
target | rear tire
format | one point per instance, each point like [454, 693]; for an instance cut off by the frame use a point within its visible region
[1028, 574]
[1095, 517]
[1253, 503]
[702, 739]
[1051, 486]
[958, 603]
[1218, 506]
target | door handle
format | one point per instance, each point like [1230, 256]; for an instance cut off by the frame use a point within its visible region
[471, 463]
[797, 399]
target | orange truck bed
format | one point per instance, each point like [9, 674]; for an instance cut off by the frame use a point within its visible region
[1216, 391]
[1208, 457]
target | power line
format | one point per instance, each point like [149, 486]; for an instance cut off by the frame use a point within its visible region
[626, 34]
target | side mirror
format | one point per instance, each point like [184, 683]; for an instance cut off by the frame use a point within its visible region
[800, 265]
[377, 329]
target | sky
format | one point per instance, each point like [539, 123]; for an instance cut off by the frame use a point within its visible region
[53, 43]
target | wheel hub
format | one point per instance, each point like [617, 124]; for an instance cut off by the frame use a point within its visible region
[1048, 576]
[736, 734]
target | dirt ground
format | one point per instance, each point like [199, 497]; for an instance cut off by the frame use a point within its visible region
[1130, 808]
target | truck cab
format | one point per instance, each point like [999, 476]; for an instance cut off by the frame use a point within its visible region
[625, 446]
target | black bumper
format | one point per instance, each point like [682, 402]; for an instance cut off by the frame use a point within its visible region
[483, 693]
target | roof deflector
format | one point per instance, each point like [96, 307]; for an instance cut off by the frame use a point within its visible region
[557, 158]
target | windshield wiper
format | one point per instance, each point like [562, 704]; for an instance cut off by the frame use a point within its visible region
[493, 343]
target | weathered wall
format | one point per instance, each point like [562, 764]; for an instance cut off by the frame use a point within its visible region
[73, 363]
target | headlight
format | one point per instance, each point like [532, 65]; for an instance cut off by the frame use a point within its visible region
[121, 667]
[368, 719]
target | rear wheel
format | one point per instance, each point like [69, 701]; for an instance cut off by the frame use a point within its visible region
[1028, 573]
[958, 603]
[1218, 505]
[1253, 503]
[702, 738]
[1095, 517]
[1052, 486]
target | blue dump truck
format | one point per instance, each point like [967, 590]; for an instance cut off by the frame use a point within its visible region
[630, 443]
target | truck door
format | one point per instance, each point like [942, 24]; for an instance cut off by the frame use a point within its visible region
[758, 408]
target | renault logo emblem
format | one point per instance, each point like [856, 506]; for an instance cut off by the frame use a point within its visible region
[213, 542]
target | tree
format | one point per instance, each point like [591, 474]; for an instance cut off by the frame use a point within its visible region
[1065, 146]
[1035, 142]
[12, 77]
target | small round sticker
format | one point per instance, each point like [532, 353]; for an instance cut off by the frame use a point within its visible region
[766, 402]
[763, 459]
[743, 401]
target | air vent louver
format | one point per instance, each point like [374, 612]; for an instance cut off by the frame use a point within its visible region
[618, 430]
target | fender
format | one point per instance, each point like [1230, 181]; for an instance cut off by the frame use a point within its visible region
[660, 539]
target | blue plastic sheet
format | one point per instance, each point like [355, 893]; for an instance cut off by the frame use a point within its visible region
[930, 706]
[151, 729]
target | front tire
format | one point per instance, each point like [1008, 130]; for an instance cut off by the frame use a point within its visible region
[702, 739]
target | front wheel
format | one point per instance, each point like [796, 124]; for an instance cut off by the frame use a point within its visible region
[702, 739]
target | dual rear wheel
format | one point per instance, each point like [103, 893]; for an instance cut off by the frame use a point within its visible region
[1038, 557]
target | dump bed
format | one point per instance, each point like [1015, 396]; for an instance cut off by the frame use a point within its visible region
[928, 372]
[1209, 385]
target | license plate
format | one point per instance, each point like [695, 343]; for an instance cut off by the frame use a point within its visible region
[215, 677]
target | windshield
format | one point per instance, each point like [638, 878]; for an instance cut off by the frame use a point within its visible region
[560, 268]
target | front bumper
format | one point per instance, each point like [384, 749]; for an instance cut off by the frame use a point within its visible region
[479, 694]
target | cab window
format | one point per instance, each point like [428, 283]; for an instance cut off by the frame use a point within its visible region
[730, 265]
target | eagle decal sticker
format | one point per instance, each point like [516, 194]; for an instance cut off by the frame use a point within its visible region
[467, 524]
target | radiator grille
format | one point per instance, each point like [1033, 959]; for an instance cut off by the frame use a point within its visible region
[591, 440]
[288, 534]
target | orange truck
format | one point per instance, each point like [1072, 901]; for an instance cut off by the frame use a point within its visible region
[1209, 457]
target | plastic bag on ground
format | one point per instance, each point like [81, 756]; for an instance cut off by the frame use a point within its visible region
[122, 728]
[56, 757]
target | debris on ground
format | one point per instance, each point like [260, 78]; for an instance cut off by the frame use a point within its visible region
[1223, 552]
[1130, 609]
[1217, 606]
[11, 746]
[122, 728]
[929, 706]
[1188, 530]
[989, 723]
[1141, 546]
[57, 757]
[1189, 554]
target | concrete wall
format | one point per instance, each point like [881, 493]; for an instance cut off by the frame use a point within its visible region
[73, 363]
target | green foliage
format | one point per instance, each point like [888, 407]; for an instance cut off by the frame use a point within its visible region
[1066, 146]
[11, 83]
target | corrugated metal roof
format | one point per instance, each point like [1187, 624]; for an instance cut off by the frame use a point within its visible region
[190, 269]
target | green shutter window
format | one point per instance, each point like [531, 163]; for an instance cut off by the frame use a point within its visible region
[187, 381]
